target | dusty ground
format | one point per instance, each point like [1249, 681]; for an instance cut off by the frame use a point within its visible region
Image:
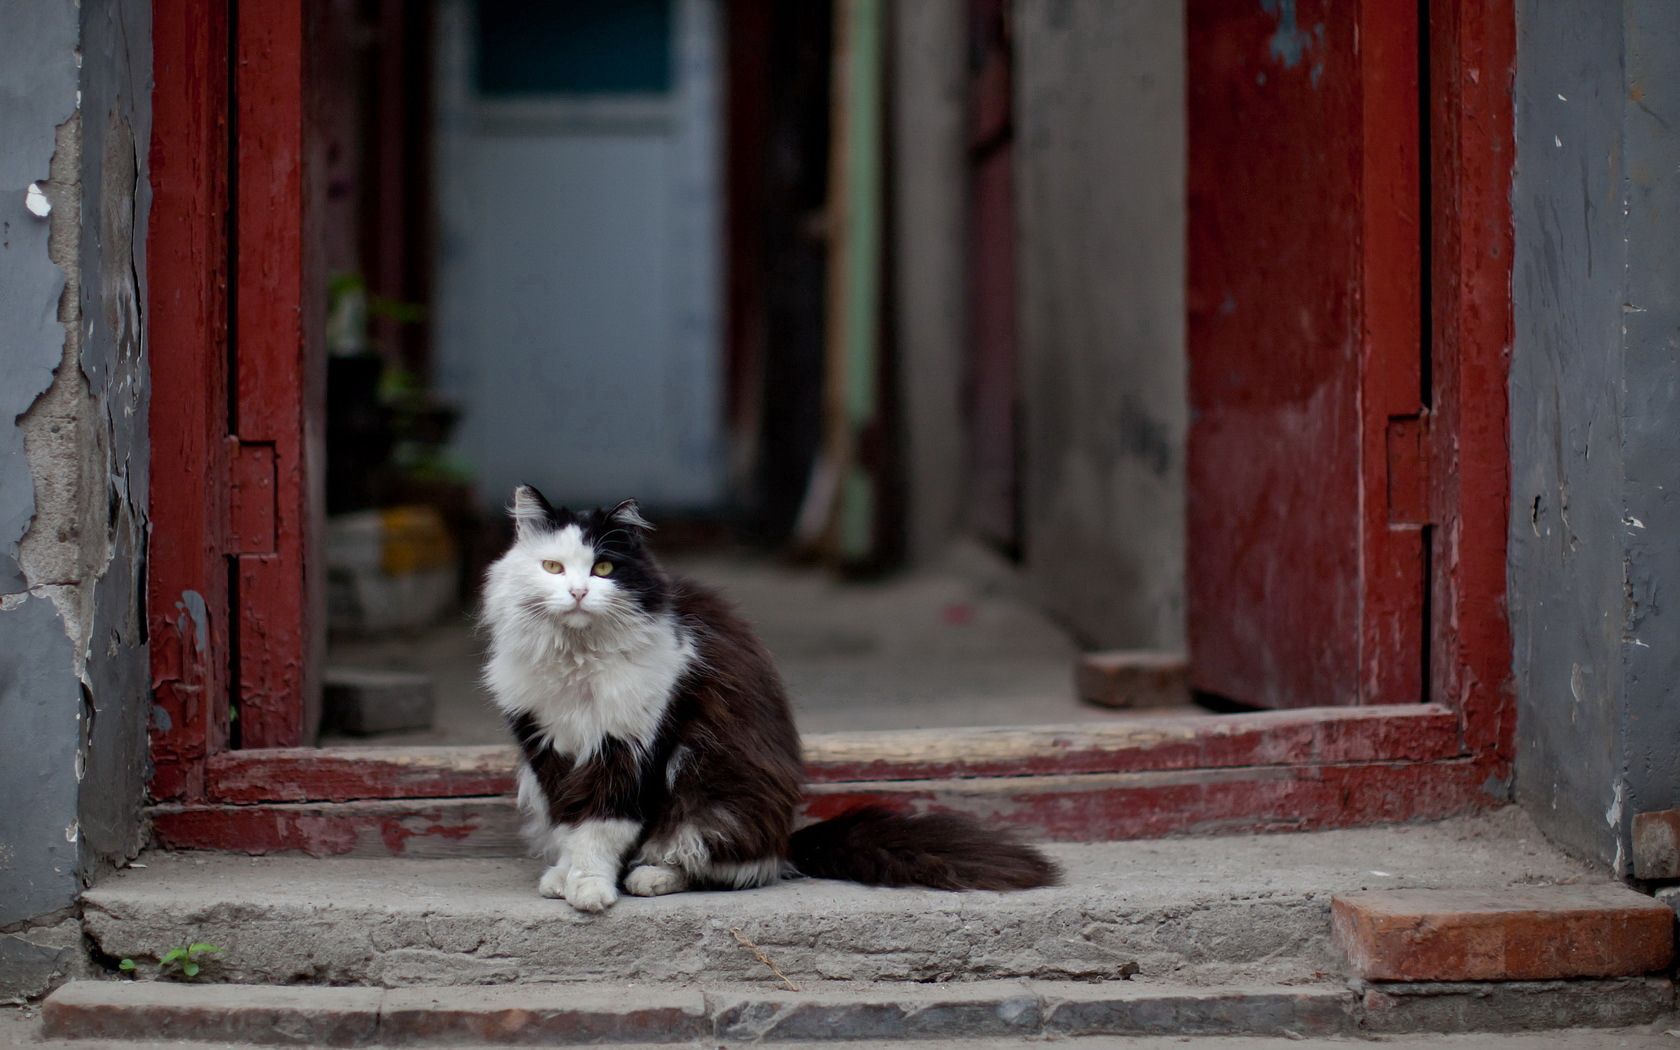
[950, 646]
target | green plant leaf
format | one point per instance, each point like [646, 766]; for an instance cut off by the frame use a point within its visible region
[190, 969]
[126, 966]
[173, 955]
[200, 948]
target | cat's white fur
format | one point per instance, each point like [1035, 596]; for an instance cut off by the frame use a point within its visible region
[573, 651]
[586, 663]
[584, 660]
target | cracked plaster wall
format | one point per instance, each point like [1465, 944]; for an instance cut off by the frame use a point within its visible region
[74, 127]
[1595, 417]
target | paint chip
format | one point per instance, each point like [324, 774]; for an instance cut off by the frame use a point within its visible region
[36, 201]
[1561, 98]
[1629, 519]
[1557, 142]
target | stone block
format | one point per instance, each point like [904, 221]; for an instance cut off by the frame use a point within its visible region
[365, 701]
[1133, 678]
[1656, 845]
[34, 958]
[1532, 933]
[1515, 1006]
[958, 1010]
[1143, 1010]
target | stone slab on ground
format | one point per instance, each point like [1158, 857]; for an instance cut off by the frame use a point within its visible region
[567, 1015]
[361, 701]
[1519, 933]
[1656, 844]
[21, 1027]
[1508, 1006]
[1208, 909]
[294, 1016]
[1133, 678]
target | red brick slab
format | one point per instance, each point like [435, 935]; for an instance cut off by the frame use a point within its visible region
[1525, 933]
[273, 1015]
[541, 1015]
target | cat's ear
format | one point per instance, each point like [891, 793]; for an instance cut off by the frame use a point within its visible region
[629, 515]
[530, 511]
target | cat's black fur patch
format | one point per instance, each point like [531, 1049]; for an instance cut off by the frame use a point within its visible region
[617, 537]
[740, 781]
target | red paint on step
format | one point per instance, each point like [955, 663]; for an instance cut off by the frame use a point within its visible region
[1094, 807]
[1183, 742]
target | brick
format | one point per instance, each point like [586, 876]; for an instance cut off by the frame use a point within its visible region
[223, 1013]
[1133, 678]
[1531, 933]
[1656, 845]
[540, 1015]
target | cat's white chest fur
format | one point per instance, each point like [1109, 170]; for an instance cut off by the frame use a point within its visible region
[580, 695]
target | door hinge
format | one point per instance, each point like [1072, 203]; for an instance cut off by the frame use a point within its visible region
[1408, 470]
[251, 511]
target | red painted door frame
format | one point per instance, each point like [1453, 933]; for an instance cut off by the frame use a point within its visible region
[209, 565]
[233, 595]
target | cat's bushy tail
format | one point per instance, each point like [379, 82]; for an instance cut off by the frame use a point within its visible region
[942, 851]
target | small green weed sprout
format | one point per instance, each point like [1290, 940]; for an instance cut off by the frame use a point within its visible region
[185, 961]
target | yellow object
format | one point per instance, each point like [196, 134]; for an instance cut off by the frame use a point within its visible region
[413, 539]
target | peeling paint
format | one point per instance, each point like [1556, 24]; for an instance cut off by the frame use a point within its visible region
[1290, 43]
[72, 449]
[35, 199]
[192, 603]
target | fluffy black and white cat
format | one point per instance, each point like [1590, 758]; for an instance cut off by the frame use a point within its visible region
[658, 748]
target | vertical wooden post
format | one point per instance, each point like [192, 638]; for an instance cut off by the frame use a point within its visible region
[186, 337]
[1472, 68]
[279, 377]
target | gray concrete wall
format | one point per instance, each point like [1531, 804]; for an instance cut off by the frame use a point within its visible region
[1595, 417]
[928, 161]
[74, 124]
[1100, 167]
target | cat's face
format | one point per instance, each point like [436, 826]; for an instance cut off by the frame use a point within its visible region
[581, 570]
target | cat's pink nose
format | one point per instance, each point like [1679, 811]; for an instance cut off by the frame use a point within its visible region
[578, 593]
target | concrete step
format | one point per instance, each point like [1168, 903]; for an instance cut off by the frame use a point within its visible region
[562, 1015]
[1210, 911]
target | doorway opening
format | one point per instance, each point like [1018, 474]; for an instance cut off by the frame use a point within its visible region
[846, 296]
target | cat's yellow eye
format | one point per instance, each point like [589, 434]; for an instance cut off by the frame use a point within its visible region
[554, 567]
[603, 568]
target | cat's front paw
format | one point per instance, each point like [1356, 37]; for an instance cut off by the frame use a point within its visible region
[590, 892]
[553, 883]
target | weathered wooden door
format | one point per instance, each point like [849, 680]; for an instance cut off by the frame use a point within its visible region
[1308, 535]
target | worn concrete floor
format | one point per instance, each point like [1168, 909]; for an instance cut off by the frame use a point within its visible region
[952, 645]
